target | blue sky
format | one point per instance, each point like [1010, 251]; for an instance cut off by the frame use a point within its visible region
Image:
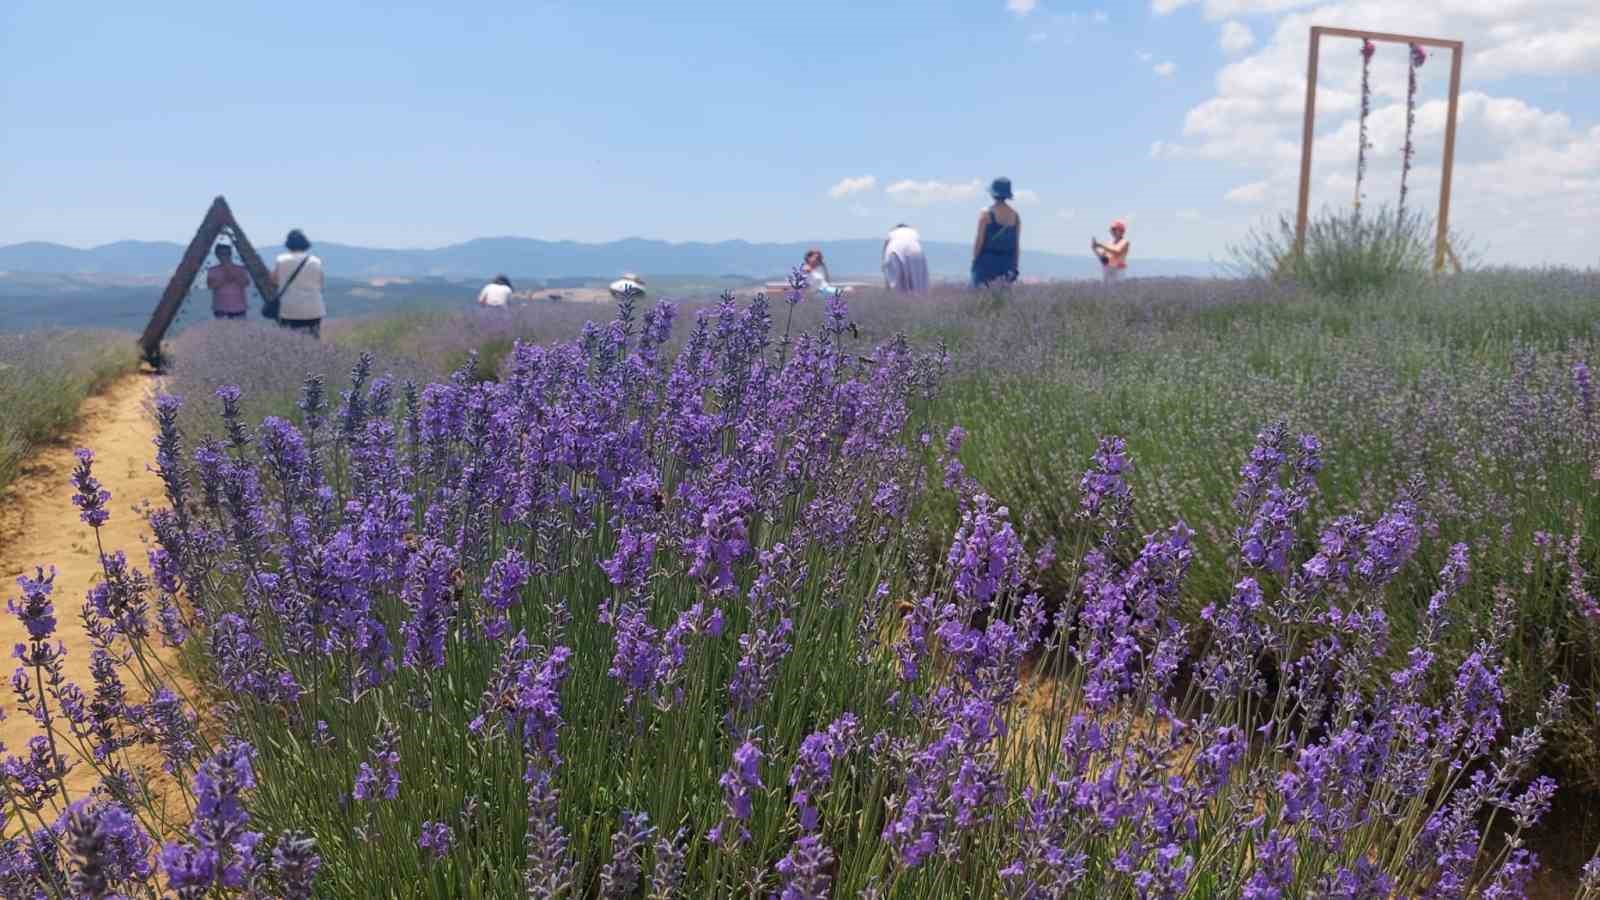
[398, 124]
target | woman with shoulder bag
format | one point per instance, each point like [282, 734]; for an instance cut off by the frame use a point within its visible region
[297, 286]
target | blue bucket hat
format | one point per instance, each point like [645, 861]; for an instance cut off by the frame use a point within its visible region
[1000, 189]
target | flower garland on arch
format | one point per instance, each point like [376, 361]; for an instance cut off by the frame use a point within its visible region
[1368, 49]
[1418, 57]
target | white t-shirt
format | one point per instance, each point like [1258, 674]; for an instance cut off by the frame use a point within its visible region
[494, 294]
[620, 287]
[303, 299]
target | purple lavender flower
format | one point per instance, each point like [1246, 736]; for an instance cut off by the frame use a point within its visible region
[294, 864]
[90, 498]
[629, 568]
[620, 876]
[813, 771]
[986, 556]
[429, 596]
[502, 589]
[804, 870]
[436, 838]
[548, 867]
[666, 878]
[739, 783]
[378, 777]
[1273, 877]
[108, 848]
[36, 612]
[722, 541]
[223, 849]
[1103, 491]
[764, 649]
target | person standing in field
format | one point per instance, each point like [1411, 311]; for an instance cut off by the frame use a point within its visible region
[997, 250]
[905, 269]
[1113, 256]
[228, 282]
[496, 294]
[297, 280]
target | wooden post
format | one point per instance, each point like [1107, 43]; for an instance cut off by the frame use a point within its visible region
[1441, 243]
[217, 218]
[1305, 143]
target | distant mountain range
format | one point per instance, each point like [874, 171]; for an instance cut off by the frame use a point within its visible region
[544, 260]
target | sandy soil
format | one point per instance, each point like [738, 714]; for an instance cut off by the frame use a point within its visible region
[39, 526]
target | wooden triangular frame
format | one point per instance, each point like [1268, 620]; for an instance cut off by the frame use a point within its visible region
[219, 219]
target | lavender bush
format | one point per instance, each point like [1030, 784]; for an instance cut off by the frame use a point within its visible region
[634, 621]
[44, 377]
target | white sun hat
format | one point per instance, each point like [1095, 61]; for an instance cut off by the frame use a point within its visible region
[628, 283]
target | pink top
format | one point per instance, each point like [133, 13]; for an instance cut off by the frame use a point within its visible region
[228, 282]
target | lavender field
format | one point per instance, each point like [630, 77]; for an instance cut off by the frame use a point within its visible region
[44, 376]
[1183, 589]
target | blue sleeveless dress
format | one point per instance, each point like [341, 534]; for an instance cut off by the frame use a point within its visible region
[997, 260]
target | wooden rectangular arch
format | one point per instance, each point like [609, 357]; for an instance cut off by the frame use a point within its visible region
[1441, 247]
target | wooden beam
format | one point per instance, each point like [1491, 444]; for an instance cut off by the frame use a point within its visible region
[178, 288]
[1386, 37]
[1441, 242]
[1305, 144]
[259, 273]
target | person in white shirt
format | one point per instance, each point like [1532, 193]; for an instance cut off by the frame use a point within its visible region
[496, 293]
[905, 269]
[297, 279]
[628, 284]
[816, 272]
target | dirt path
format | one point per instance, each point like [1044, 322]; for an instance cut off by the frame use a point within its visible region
[39, 526]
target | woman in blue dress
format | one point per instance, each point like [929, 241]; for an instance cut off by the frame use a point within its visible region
[997, 248]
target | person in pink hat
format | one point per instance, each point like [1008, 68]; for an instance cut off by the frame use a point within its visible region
[1113, 256]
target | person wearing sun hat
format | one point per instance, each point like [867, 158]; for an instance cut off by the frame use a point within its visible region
[628, 284]
[1113, 256]
[997, 248]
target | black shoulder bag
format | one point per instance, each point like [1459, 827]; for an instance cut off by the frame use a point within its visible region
[269, 307]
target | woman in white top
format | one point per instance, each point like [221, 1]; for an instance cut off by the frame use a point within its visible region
[496, 293]
[905, 269]
[297, 279]
[816, 272]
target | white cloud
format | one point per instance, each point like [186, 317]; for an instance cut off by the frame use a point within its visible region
[1066, 214]
[1099, 17]
[1251, 193]
[1022, 7]
[1222, 9]
[1188, 215]
[1166, 69]
[924, 193]
[849, 186]
[1038, 36]
[1146, 56]
[1026, 197]
[1236, 37]
[1516, 160]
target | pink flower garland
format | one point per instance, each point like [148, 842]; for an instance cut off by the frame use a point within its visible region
[1418, 57]
[1367, 51]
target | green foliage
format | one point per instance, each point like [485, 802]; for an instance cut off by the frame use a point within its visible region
[1345, 254]
[44, 377]
[1460, 391]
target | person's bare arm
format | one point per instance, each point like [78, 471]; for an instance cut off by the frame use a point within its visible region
[977, 243]
[1119, 249]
